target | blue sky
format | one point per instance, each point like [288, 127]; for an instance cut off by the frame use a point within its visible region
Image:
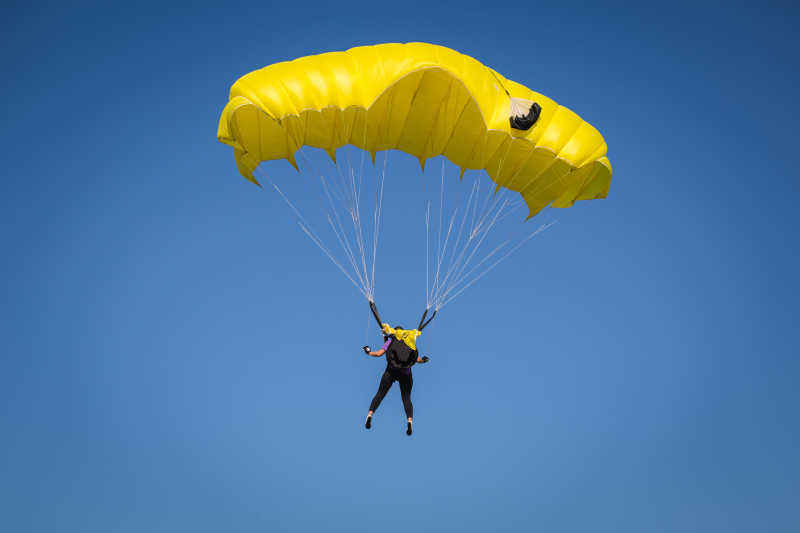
[176, 356]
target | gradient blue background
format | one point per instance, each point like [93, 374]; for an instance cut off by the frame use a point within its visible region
[164, 321]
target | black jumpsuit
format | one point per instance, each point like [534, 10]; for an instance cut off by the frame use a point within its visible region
[395, 372]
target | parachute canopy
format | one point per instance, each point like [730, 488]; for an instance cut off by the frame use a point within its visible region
[425, 100]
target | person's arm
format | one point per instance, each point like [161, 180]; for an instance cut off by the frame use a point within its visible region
[423, 359]
[379, 352]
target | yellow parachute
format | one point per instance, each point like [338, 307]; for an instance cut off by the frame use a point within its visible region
[425, 100]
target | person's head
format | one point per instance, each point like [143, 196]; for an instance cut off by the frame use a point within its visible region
[398, 327]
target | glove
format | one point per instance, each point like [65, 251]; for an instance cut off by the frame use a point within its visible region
[366, 350]
[425, 358]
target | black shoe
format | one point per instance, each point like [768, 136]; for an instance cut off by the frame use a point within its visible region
[408, 429]
[368, 423]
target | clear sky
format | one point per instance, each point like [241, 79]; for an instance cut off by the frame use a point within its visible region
[177, 356]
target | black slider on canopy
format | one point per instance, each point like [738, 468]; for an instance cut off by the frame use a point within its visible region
[524, 114]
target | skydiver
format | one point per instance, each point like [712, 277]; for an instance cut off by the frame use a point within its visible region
[401, 354]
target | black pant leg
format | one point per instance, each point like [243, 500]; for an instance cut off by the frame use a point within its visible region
[406, 381]
[383, 388]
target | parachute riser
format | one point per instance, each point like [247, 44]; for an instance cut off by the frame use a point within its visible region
[422, 322]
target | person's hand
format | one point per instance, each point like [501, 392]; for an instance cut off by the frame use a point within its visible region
[425, 359]
[366, 350]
